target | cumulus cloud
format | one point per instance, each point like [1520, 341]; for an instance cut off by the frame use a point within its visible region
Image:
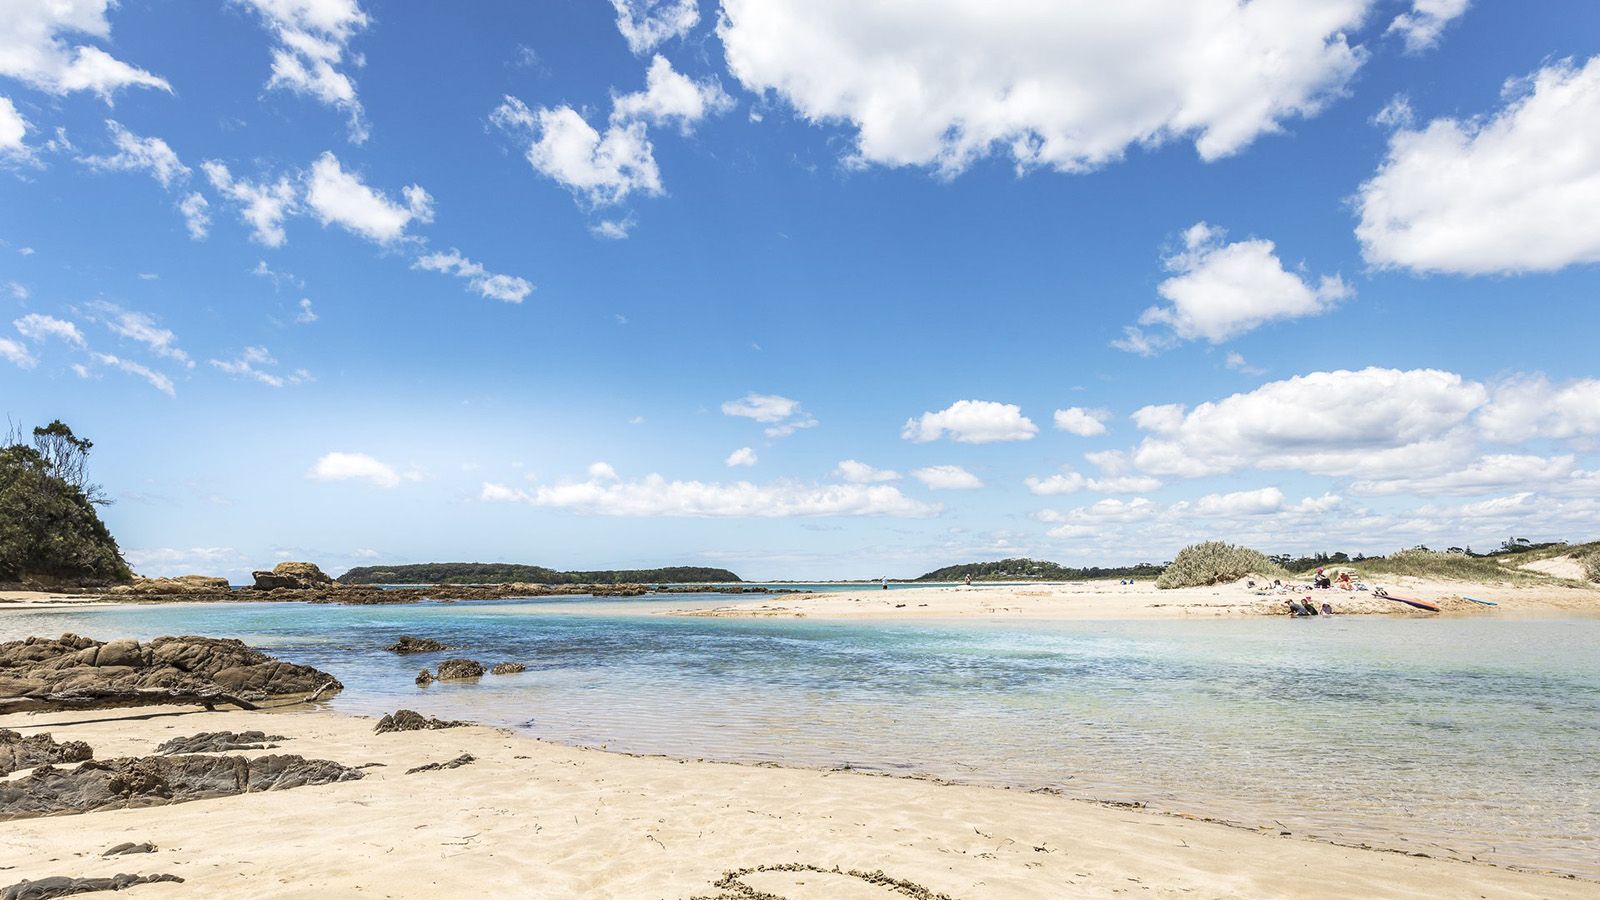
[1070, 86]
[971, 422]
[17, 354]
[655, 496]
[507, 288]
[1517, 191]
[860, 473]
[312, 39]
[782, 415]
[151, 155]
[141, 327]
[195, 209]
[38, 327]
[156, 380]
[646, 24]
[1422, 25]
[339, 197]
[340, 466]
[947, 478]
[13, 128]
[307, 315]
[36, 47]
[1082, 422]
[263, 205]
[1331, 423]
[255, 363]
[1494, 472]
[605, 168]
[1068, 481]
[1529, 407]
[744, 456]
[1222, 290]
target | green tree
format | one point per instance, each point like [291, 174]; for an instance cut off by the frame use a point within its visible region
[49, 529]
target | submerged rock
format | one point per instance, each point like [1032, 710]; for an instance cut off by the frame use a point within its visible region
[18, 752]
[425, 677]
[411, 720]
[459, 669]
[456, 763]
[62, 886]
[507, 668]
[73, 672]
[134, 782]
[409, 644]
[220, 742]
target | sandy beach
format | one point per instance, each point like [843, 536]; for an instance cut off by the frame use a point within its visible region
[534, 819]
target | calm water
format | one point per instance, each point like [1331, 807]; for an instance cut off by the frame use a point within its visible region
[1472, 737]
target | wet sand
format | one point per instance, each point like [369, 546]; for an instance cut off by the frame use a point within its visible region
[534, 819]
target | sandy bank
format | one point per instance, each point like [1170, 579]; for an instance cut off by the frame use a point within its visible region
[1099, 600]
[539, 820]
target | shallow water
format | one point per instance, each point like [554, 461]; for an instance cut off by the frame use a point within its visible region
[1468, 737]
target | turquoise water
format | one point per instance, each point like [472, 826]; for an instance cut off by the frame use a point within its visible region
[1465, 737]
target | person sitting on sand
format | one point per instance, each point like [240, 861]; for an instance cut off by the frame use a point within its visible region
[1322, 581]
[1344, 582]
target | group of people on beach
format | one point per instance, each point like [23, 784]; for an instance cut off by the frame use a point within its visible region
[1308, 607]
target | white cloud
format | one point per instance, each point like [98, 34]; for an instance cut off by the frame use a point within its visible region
[34, 49]
[139, 154]
[141, 327]
[339, 197]
[196, 218]
[655, 496]
[307, 315]
[508, 288]
[1081, 422]
[38, 327]
[1529, 407]
[17, 354]
[1495, 472]
[603, 471]
[1223, 290]
[1331, 423]
[612, 229]
[947, 478]
[17, 290]
[1241, 503]
[1518, 191]
[250, 364]
[157, 380]
[1110, 462]
[264, 205]
[1068, 481]
[1087, 520]
[744, 456]
[605, 168]
[339, 466]
[971, 422]
[13, 128]
[861, 473]
[1237, 363]
[783, 415]
[645, 24]
[1068, 85]
[1422, 25]
[313, 36]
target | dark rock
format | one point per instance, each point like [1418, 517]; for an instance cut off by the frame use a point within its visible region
[130, 847]
[456, 763]
[297, 576]
[134, 782]
[62, 886]
[459, 669]
[72, 672]
[18, 752]
[425, 677]
[409, 644]
[411, 720]
[507, 668]
[220, 742]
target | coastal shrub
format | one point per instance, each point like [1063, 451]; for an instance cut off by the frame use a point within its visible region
[1214, 562]
[49, 530]
[1591, 566]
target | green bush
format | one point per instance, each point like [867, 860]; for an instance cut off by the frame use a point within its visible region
[1215, 562]
[49, 530]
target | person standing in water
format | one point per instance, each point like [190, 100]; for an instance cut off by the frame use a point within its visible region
[886, 582]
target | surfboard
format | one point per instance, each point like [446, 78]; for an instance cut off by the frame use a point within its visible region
[1419, 604]
[1484, 602]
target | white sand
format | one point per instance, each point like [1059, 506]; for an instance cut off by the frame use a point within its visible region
[1560, 567]
[532, 819]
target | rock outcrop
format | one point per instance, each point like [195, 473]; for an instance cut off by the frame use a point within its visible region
[425, 677]
[220, 742]
[127, 847]
[18, 752]
[183, 585]
[456, 763]
[409, 644]
[63, 886]
[72, 672]
[295, 576]
[133, 782]
[460, 670]
[411, 720]
[507, 668]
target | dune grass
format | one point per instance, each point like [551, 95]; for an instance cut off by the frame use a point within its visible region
[1215, 562]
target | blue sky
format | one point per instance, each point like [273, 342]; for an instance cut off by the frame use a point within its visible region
[583, 283]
